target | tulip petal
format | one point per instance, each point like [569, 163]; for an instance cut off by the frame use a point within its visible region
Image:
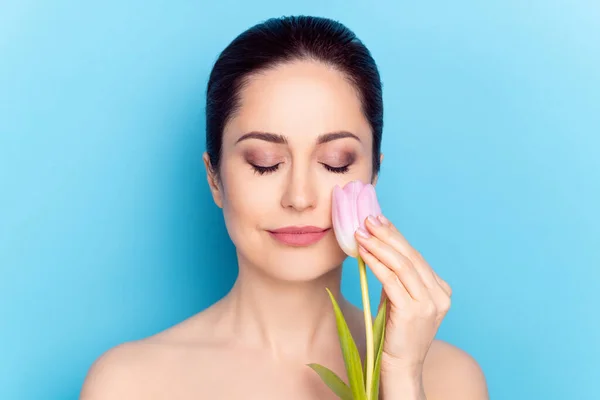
[343, 222]
[352, 190]
[367, 204]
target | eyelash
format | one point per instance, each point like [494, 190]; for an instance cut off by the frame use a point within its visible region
[272, 168]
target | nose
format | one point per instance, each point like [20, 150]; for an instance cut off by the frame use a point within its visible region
[300, 192]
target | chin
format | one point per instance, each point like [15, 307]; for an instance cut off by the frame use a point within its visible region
[287, 263]
[297, 267]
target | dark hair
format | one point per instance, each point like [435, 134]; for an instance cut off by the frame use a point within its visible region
[279, 40]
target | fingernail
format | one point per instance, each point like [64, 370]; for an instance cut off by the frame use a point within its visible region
[374, 220]
[362, 232]
[384, 220]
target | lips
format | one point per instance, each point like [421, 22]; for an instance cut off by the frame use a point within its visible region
[299, 235]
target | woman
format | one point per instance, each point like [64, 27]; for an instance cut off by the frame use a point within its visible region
[294, 107]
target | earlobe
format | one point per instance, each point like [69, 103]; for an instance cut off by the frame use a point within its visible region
[213, 182]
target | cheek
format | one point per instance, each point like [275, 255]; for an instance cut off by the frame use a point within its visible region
[364, 170]
[245, 200]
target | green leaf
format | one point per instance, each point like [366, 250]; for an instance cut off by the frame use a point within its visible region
[378, 339]
[333, 381]
[350, 353]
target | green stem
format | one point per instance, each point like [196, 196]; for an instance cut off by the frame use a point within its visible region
[364, 288]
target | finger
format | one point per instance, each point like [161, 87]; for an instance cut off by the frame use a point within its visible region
[440, 299]
[396, 239]
[382, 229]
[386, 232]
[396, 262]
[444, 285]
[393, 288]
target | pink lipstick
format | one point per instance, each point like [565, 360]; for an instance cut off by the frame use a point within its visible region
[299, 235]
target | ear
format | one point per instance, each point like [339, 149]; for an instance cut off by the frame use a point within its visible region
[377, 176]
[213, 181]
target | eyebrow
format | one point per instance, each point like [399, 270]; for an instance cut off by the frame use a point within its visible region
[280, 139]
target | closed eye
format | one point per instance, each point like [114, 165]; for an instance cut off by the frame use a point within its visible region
[265, 170]
[261, 170]
[337, 170]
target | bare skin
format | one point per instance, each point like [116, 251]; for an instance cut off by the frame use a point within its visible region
[256, 341]
[189, 361]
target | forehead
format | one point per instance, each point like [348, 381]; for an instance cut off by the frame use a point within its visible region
[300, 100]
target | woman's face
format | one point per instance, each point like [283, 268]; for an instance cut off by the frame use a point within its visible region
[300, 131]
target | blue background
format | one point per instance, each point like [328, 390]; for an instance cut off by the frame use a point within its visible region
[492, 133]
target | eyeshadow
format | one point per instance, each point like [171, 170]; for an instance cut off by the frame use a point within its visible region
[340, 158]
[261, 156]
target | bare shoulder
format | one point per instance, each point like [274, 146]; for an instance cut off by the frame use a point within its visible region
[139, 369]
[451, 373]
[118, 372]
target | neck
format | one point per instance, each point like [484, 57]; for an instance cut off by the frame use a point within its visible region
[289, 319]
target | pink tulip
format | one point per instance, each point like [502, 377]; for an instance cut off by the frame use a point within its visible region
[351, 205]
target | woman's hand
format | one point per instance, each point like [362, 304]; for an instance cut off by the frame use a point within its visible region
[418, 301]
